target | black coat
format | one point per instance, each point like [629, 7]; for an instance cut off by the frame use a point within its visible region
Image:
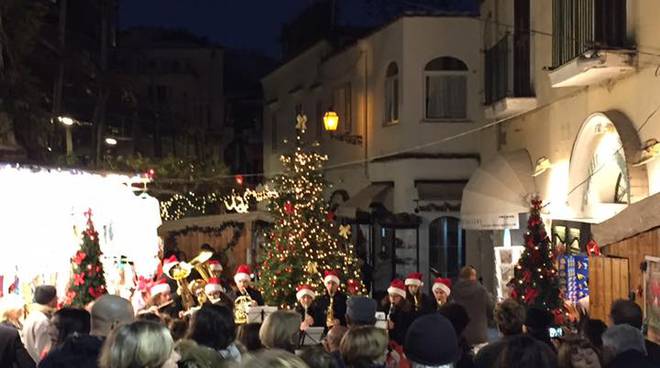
[338, 307]
[427, 304]
[80, 351]
[12, 351]
[630, 359]
[402, 318]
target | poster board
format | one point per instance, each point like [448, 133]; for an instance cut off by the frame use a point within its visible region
[506, 259]
[652, 298]
[574, 277]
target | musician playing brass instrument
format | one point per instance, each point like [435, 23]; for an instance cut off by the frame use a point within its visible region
[441, 291]
[422, 303]
[332, 304]
[307, 308]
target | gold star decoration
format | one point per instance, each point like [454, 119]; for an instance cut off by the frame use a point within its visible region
[312, 268]
[301, 122]
[345, 231]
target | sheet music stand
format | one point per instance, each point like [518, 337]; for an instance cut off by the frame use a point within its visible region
[311, 336]
[259, 314]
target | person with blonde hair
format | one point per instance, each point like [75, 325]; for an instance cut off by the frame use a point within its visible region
[364, 347]
[274, 359]
[139, 344]
[281, 330]
[12, 310]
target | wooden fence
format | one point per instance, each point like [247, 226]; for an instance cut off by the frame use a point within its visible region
[609, 280]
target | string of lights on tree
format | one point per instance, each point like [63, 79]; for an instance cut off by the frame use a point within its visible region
[304, 240]
[536, 282]
[189, 205]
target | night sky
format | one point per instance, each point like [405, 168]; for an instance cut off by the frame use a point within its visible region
[248, 24]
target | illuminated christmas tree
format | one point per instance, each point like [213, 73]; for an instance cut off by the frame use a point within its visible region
[304, 241]
[87, 280]
[536, 281]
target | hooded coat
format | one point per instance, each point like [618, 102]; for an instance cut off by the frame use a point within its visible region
[478, 304]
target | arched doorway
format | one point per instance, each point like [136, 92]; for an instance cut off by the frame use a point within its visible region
[602, 181]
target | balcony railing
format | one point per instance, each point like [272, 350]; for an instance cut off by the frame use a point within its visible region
[582, 25]
[508, 68]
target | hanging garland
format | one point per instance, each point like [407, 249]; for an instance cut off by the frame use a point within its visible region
[215, 231]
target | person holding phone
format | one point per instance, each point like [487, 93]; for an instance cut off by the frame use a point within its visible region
[538, 324]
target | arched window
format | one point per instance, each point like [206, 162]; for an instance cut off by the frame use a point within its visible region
[392, 94]
[446, 89]
[446, 246]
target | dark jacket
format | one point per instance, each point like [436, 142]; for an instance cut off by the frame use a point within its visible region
[488, 356]
[402, 318]
[12, 351]
[78, 351]
[427, 304]
[338, 307]
[313, 310]
[478, 304]
[254, 294]
[653, 351]
[630, 359]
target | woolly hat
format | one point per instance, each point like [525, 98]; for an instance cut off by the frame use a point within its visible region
[431, 341]
[44, 294]
[303, 290]
[159, 287]
[442, 284]
[361, 310]
[331, 276]
[414, 278]
[215, 265]
[397, 287]
[242, 273]
[213, 285]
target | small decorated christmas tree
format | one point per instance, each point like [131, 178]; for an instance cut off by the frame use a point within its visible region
[87, 281]
[536, 282]
[304, 241]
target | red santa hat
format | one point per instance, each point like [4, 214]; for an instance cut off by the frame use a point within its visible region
[215, 265]
[242, 273]
[331, 276]
[397, 287]
[303, 290]
[159, 287]
[168, 263]
[442, 284]
[414, 278]
[213, 285]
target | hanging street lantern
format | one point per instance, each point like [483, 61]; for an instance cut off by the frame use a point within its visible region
[330, 121]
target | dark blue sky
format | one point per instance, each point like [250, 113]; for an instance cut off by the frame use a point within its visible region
[250, 24]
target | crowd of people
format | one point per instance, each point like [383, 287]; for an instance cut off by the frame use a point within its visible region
[404, 329]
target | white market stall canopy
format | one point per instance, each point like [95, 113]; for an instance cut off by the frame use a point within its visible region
[42, 218]
[498, 192]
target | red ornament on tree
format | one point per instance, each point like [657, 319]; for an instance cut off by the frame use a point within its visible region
[592, 248]
[288, 208]
[330, 216]
[79, 279]
[79, 257]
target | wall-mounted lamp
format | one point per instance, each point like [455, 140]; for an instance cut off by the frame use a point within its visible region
[330, 121]
[110, 141]
[542, 165]
[65, 120]
[650, 152]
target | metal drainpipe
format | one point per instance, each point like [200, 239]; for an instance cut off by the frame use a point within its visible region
[366, 117]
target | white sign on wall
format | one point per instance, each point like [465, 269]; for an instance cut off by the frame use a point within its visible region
[490, 222]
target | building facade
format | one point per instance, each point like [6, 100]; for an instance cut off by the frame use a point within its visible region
[571, 92]
[395, 163]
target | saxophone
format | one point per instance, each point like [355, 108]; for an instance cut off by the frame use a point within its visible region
[330, 315]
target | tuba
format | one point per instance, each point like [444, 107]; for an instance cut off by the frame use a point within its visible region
[241, 306]
[179, 272]
[197, 286]
[330, 315]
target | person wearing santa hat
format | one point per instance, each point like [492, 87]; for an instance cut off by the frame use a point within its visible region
[441, 291]
[215, 267]
[160, 294]
[333, 297]
[401, 312]
[421, 302]
[306, 307]
[243, 278]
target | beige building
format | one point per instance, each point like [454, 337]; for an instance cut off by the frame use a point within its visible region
[574, 91]
[399, 92]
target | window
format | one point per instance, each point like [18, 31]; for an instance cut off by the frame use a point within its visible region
[273, 132]
[446, 246]
[392, 94]
[342, 105]
[446, 89]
